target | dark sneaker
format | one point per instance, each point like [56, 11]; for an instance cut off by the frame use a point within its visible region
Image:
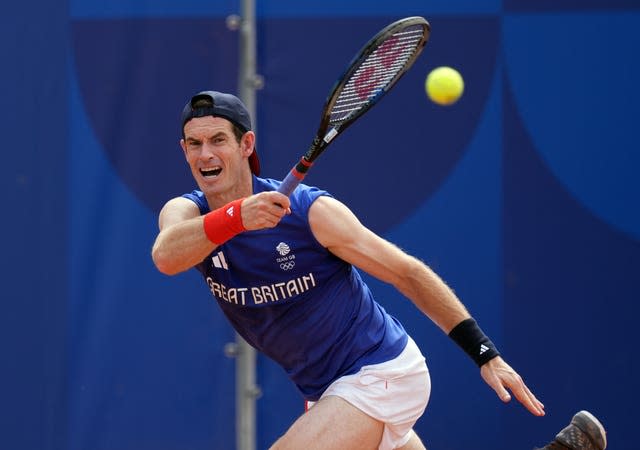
[585, 432]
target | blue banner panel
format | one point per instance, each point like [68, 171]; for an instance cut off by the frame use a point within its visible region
[577, 98]
[135, 76]
[147, 366]
[33, 188]
[571, 289]
[568, 6]
[523, 196]
[398, 154]
[280, 8]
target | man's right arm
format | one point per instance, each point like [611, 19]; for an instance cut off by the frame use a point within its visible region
[181, 242]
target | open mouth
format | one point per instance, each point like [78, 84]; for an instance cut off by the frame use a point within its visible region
[211, 172]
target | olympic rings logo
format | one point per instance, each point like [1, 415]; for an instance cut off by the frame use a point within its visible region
[287, 265]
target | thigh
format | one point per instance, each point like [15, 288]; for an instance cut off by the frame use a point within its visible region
[332, 424]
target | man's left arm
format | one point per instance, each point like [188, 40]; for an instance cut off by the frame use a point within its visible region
[340, 231]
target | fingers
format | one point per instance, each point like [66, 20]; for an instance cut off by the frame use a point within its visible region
[492, 378]
[535, 406]
[264, 210]
[280, 200]
[503, 394]
[502, 378]
[525, 396]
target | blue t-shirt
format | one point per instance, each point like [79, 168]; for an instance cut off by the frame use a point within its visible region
[296, 302]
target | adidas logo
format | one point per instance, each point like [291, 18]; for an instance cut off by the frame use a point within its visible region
[230, 211]
[483, 348]
[219, 261]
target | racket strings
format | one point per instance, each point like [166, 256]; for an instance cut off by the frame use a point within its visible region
[376, 72]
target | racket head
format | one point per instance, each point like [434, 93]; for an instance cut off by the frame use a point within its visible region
[372, 73]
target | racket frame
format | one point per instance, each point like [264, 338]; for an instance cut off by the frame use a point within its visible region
[327, 132]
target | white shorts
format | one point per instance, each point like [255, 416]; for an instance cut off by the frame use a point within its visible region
[394, 392]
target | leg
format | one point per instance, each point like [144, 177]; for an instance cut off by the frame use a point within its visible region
[414, 443]
[332, 423]
[585, 432]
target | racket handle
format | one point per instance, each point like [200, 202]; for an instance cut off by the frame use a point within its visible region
[290, 183]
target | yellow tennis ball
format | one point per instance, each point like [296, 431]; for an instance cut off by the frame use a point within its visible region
[444, 85]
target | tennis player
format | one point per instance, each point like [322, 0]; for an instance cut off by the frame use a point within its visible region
[283, 271]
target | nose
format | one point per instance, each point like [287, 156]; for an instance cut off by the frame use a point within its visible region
[207, 151]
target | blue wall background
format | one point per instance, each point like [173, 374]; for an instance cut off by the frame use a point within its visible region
[523, 196]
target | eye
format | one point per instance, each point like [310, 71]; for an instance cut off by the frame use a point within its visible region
[193, 145]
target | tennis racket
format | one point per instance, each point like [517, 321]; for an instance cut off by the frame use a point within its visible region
[370, 75]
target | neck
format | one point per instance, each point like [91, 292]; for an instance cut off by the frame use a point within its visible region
[243, 188]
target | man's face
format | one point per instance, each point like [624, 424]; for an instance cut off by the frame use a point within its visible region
[216, 159]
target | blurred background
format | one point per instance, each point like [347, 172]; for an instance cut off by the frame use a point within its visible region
[523, 196]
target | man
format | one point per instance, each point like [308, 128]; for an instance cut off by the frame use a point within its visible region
[282, 270]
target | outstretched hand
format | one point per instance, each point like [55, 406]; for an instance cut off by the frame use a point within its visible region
[502, 378]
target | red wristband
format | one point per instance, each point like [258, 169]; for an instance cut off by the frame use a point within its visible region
[224, 223]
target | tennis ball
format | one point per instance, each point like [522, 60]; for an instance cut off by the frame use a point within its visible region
[444, 85]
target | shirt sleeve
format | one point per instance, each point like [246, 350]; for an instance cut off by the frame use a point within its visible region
[199, 199]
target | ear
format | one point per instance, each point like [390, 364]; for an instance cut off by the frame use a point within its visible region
[247, 143]
[184, 148]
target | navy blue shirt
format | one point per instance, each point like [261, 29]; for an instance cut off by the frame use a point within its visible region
[296, 302]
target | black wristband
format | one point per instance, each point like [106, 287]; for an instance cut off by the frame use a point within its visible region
[468, 335]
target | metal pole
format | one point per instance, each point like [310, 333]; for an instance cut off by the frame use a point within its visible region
[246, 388]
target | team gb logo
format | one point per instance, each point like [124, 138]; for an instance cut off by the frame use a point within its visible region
[283, 249]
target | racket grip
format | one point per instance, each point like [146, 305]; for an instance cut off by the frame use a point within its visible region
[290, 182]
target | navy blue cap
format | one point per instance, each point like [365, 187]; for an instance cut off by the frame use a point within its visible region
[226, 106]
